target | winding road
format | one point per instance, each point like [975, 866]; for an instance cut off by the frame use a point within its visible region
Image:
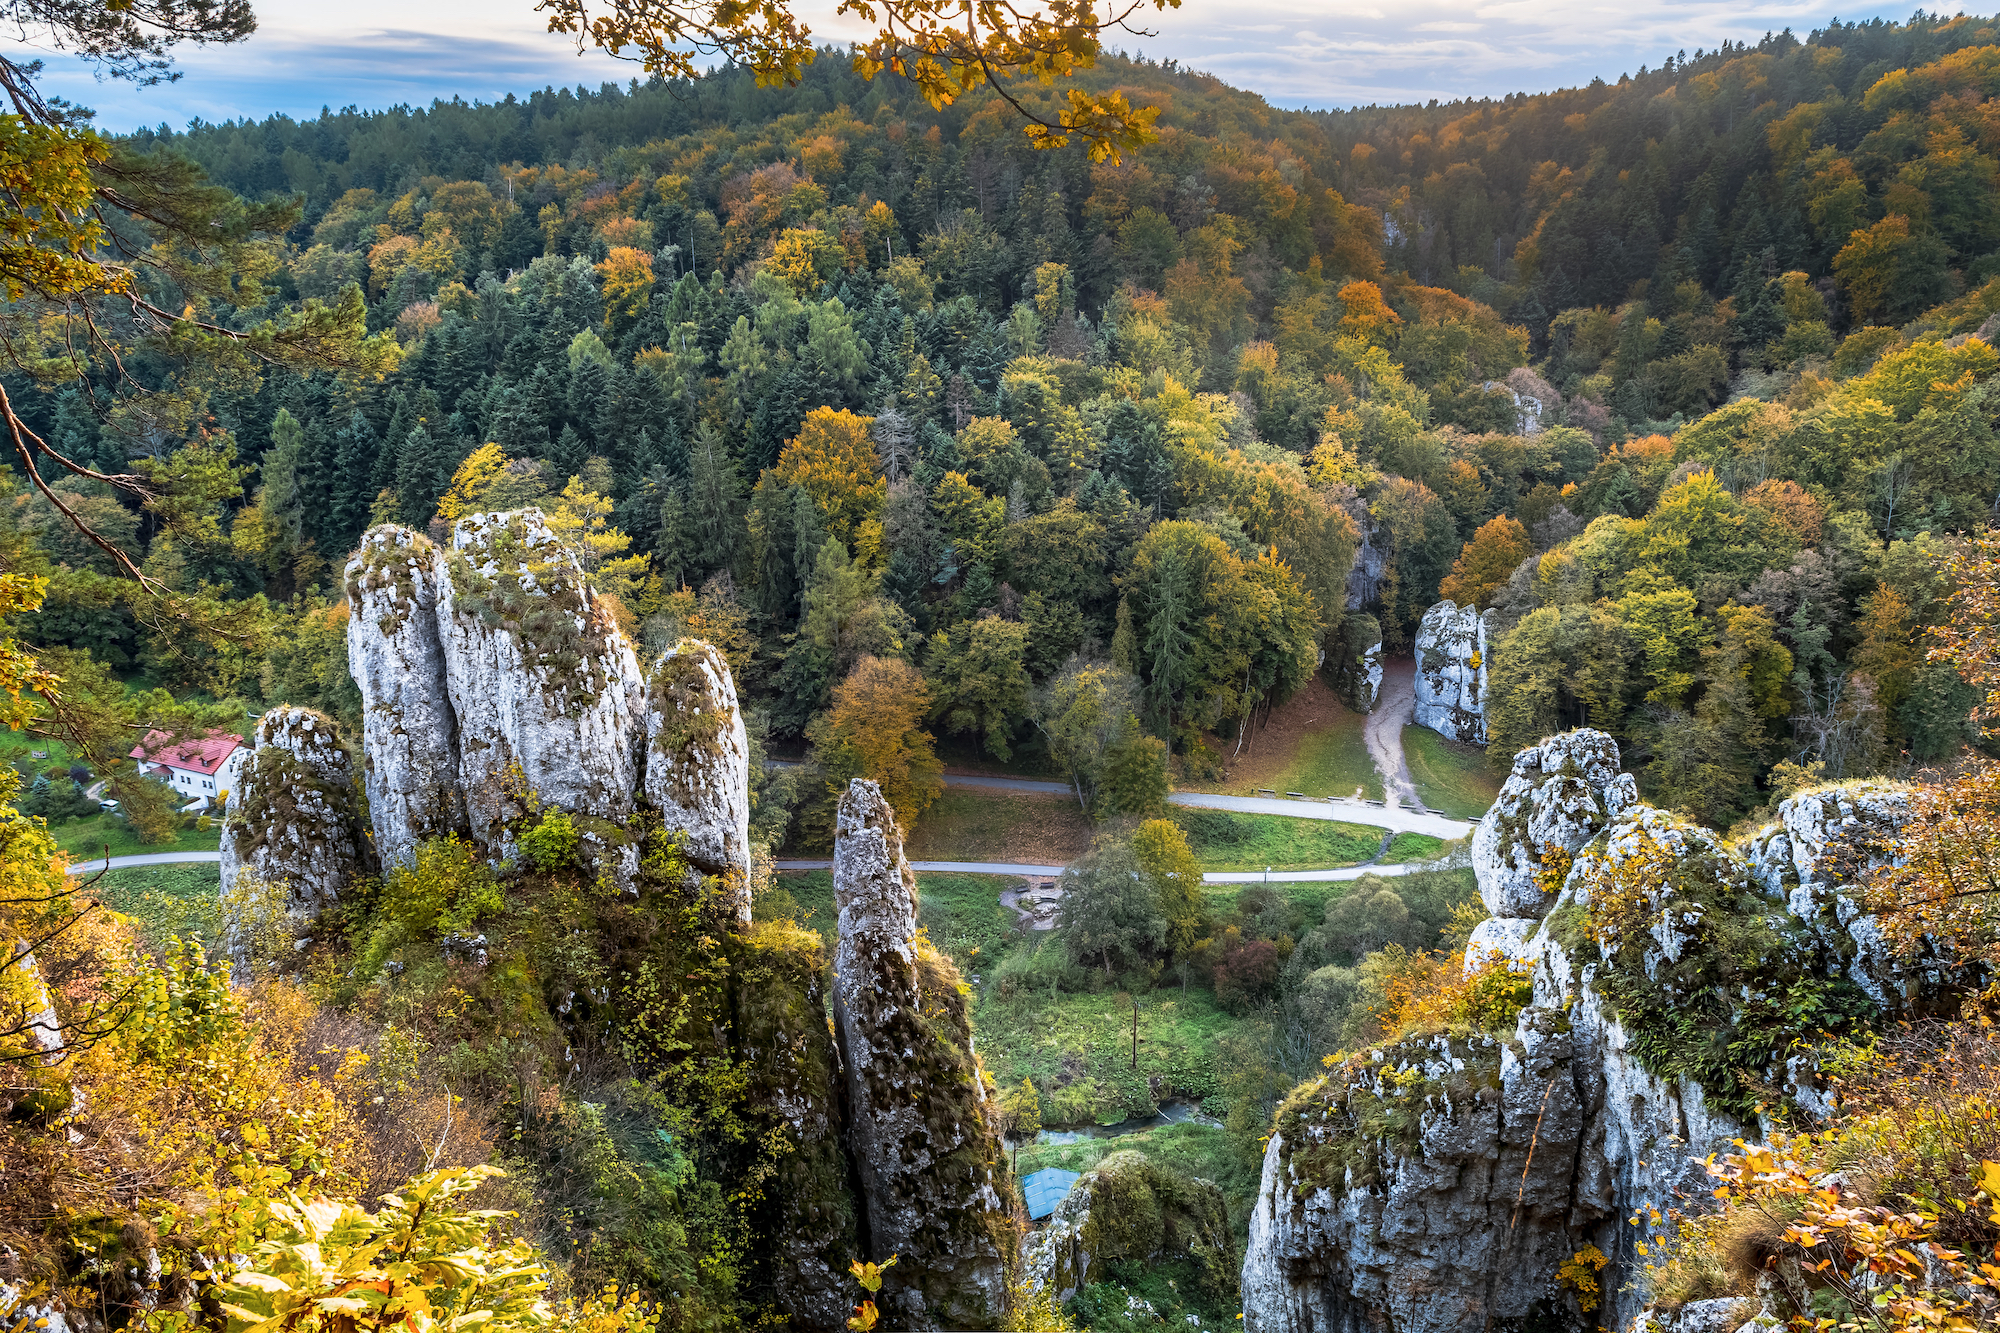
[1212, 877]
[148, 859]
[1396, 818]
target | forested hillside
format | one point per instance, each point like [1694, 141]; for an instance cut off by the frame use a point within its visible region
[937, 433]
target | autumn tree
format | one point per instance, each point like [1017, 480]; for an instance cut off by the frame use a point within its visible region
[1488, 560]
[832, 459]
[1164, 853]
[875, 730]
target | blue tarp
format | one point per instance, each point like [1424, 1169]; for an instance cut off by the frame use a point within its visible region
[1046, 1189]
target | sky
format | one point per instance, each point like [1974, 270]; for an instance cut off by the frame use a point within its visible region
[309, 54]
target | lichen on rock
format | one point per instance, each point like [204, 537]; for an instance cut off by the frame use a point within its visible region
[697, 763]
[539, 675]
[1452, 655]
[922, 1130]
[293, 818]
[409, 736]
[1560, 795]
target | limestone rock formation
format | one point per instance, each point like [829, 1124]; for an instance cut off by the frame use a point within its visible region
[1126, 1208]
[698, 762]
[921, 1130]
[492, 670]
[539, 675]
[293, 819]
[1440, 1183]
[1451, 672]
[1850, 829]
[409, 736]
[1560, 795]
[1354, 661]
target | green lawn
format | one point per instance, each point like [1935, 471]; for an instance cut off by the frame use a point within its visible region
[1331, 759]
[165, 900]
[1078, 1047]
[1225, 840]
[85, 839]
[1412, 847]
[1451, 778]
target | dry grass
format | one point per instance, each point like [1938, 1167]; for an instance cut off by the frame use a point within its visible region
[979, 824]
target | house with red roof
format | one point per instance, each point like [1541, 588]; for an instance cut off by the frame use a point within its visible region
[206, 769]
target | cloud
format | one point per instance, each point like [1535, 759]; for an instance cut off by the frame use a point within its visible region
[376, 53]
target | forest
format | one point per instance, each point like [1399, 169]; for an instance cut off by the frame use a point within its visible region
[841, 379]
[967, 453]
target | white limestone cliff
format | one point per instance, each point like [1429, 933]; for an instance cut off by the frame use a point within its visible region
[1522, 1147]
[1451, 652]
[292, 819]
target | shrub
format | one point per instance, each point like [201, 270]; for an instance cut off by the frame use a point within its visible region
[1247, 975]
[551, 844]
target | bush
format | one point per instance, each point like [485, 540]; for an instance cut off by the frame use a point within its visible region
[1247, 975]
[551, 844]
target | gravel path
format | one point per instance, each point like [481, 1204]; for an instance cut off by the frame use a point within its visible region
[1212, 877]
[1384, 734]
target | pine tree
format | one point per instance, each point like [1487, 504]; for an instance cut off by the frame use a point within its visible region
[423, 473]
[715, 497]
[353, 491]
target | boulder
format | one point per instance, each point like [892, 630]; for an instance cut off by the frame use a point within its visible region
[409, 728]
[292, 819]
[1821, 839]
[922, 1132]
[1451, 672]
[1560, 795]
[698, 763]
[1131, 1209]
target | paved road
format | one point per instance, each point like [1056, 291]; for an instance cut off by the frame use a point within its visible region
[1399, 819]
[149, 859]
[1213, 877]
[1383, 732]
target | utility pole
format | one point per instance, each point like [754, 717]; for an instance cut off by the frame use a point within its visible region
[1135, 1033]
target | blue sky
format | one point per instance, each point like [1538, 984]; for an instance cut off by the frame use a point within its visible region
[372, 53]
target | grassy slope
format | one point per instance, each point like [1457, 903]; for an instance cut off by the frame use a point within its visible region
[1312, 744]
[165, 900]
[1225, 840]
[85, 839]
[1451, 778]
[978, 824]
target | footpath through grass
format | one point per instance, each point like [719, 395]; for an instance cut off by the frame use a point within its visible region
[1451, 778]
[1226, 840]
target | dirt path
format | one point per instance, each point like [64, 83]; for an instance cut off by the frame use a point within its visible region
[1384, 732]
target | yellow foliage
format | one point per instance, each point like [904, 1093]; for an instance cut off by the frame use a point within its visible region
[474, 477]
[833, 460]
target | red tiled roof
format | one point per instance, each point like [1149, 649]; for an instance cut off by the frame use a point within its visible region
[205, 756]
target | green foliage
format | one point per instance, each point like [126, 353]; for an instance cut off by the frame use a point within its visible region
[179, 1004]
[551, 844]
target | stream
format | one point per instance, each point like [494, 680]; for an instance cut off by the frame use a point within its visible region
[1170, 1113]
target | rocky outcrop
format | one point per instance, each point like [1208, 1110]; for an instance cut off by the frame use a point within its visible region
[1821, 839]
[1127, 1208]
[1451, 672]
[409, 730]
[491, 672]
[1443, 1181]
[1561, 794]
[698, 762]
[545, 687]
[922, 1130]
[293, 819]
[1354, 661]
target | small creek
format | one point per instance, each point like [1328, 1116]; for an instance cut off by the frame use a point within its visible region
[1170, 1113]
